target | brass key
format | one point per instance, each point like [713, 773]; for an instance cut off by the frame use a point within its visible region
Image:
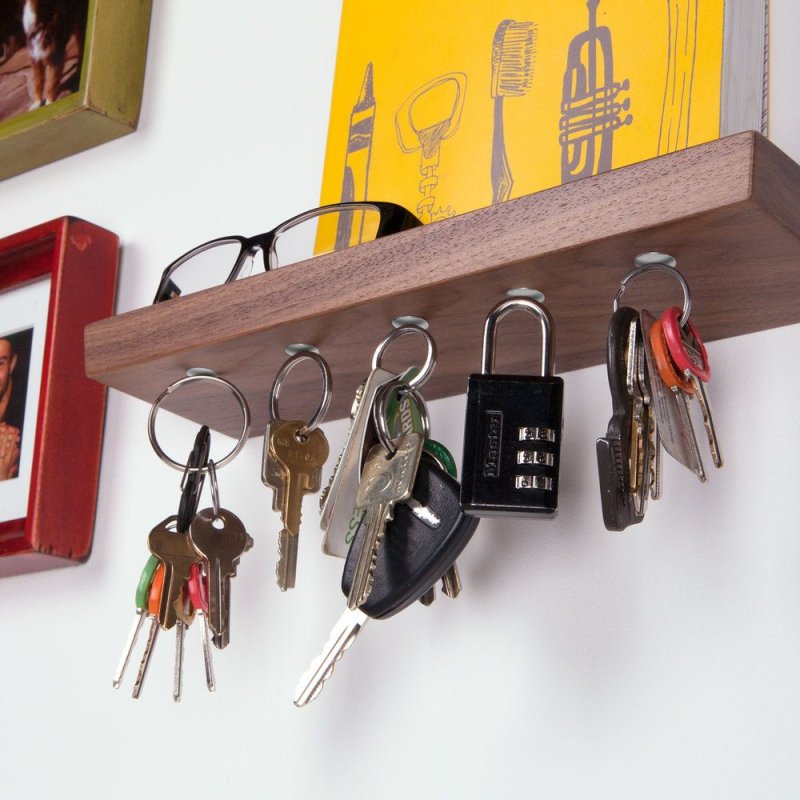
[220, 537]
[177, 554]
[300, 457]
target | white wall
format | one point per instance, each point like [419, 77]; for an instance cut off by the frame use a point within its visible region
[577, 663]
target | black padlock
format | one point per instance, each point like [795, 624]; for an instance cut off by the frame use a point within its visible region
[512, 434]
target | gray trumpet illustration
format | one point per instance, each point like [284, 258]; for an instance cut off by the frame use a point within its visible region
[512, 75]
[591, 110]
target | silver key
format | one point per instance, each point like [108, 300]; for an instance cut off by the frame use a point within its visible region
[640, 465]
[338, 498]
[672, 412]
[708, 421]
[152, 636]
[180, 630]
[451, 582]
[344, 632]
[429, 596]
[221, 539]
[385, 482]
[206, 646]
[130, 643]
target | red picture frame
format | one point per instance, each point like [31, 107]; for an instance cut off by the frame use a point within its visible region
[81, 260]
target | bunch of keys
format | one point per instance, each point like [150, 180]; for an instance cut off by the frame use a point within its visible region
[194, 556]
[338, 498]
[410, 535]
[294, 454]
[653, 376]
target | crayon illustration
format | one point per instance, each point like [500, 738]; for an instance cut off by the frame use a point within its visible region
[349, 229]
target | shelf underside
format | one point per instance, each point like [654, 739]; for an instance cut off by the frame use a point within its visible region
[728, 211]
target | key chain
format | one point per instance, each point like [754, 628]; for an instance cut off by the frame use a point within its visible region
[423, 538]
[661, 373]
[150, 586]
[193, 569]
[389, 468]
[293, 456]
[338, 497]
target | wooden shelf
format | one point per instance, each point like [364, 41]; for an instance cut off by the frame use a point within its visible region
[729, 211]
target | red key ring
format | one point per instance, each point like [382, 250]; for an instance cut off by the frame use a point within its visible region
[197, 589]
[664, 364]
[685, 345]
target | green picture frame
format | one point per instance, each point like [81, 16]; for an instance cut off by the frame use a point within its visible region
[106, 104]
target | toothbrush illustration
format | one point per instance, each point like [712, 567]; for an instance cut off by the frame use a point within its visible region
[512, 75]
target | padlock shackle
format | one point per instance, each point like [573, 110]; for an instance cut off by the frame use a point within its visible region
[506, 307]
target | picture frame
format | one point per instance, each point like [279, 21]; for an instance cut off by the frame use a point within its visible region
[55, 278]
[109, 74]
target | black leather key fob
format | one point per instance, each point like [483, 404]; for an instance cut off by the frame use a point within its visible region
[416, 551]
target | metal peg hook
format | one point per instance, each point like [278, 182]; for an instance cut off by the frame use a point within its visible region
[667, 266]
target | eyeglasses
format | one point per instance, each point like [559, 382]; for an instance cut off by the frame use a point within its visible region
[323, 230]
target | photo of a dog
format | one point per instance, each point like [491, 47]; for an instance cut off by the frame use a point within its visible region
[41, 47]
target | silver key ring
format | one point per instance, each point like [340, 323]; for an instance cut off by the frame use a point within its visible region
[380, 411]
[327, 383]
[173, 387]
[430, 359]
[658, 267]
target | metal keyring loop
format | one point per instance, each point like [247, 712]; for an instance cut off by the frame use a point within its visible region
[173, 387]
[381, 407]
[430, 359]
[658, 267]
[327, 382]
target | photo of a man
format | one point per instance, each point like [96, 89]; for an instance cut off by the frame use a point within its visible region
[14, 362]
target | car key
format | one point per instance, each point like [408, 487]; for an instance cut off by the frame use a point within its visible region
[387, 480]
[412, 559]
[613, 450]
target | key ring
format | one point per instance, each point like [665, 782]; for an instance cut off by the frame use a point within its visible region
[379, 412]
[327, 382]
[658, 267]
[430, 360]
[173, 387]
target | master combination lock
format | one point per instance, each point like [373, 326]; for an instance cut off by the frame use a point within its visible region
[512, 433]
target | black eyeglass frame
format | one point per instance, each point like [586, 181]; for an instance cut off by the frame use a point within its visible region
[393, 219]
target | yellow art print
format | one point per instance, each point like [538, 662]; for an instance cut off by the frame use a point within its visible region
[450, 107]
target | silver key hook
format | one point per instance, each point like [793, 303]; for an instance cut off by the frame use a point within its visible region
[666, 265]
[173, 387]
[380, 412]
[327, 383]
[430, 359]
